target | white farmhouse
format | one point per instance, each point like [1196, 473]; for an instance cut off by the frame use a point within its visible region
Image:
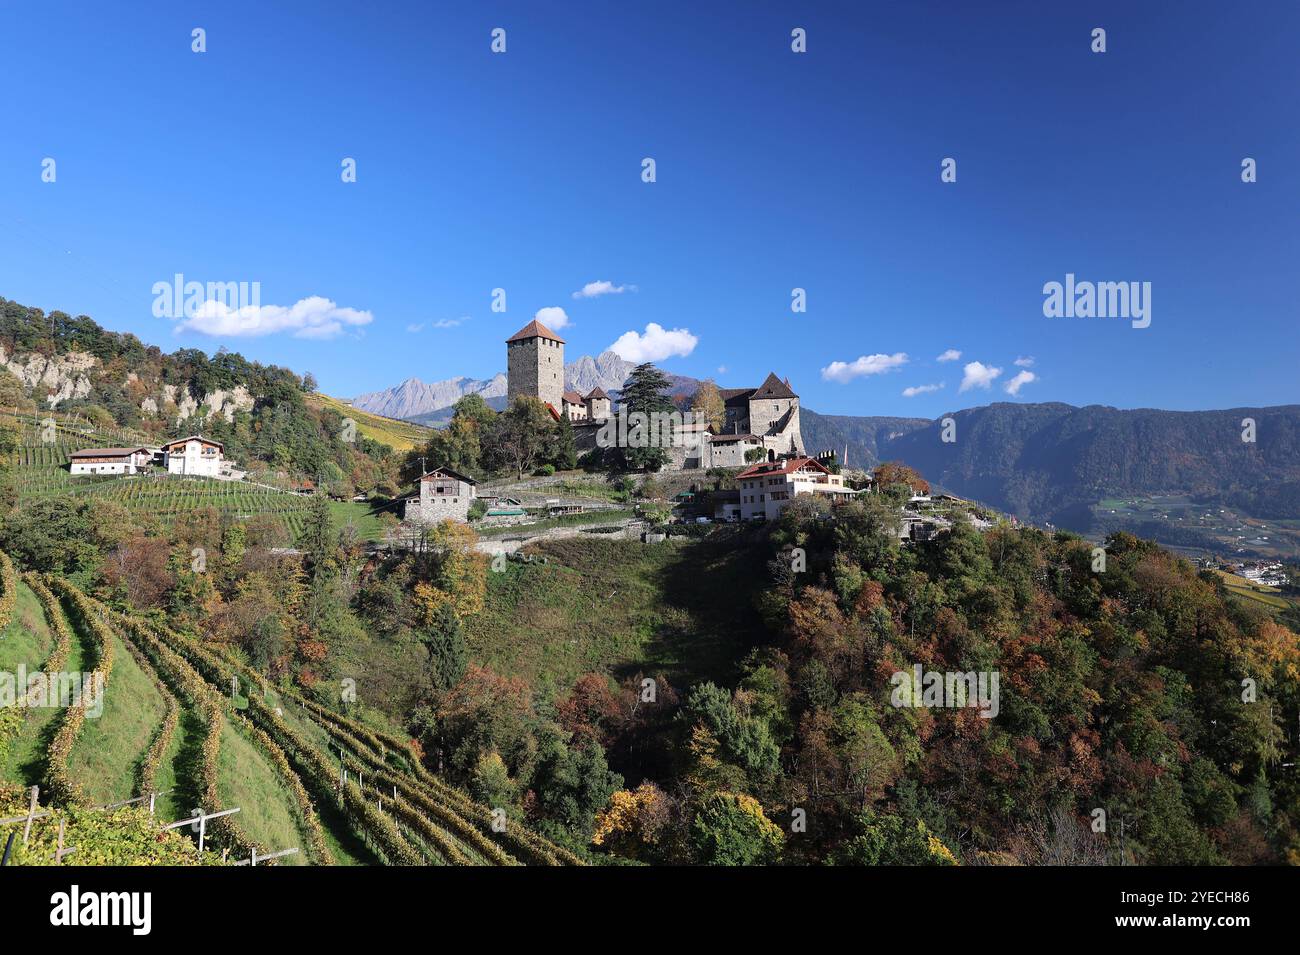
[109, 460]
[195, 455]
[766, 488]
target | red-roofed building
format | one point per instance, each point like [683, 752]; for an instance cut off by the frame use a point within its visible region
[766, 488]
[575, 406]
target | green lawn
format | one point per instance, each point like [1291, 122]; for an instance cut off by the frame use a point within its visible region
[178, 769]
[360, 515]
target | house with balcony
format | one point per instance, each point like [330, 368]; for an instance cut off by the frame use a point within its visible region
[195, 456]
[767, 487]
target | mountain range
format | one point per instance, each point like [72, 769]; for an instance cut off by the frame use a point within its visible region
[430, 403]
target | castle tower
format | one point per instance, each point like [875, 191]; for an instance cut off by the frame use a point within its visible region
[774, 416]
[598, 404]
[535, 364]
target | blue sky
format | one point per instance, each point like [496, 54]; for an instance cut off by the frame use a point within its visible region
[775, 170]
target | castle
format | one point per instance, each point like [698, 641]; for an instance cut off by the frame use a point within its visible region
[766, 417]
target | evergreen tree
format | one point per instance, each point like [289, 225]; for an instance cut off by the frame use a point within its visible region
[646, 393]
[565, 455]
[448, 654]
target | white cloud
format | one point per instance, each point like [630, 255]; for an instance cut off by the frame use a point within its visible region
[1015, 384]
[1023, 362]
[951, 354]
[415, 329]
[314, 317]
[553, 317]
[655, 344]
[449, 322]
[844, 372]
[722, 369]
[915, 390]
[596, 289]
[978, 375]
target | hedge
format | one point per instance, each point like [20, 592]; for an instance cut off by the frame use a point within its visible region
[8, 590]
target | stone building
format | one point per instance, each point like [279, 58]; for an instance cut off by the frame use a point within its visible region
[769, 412]
[730, 450]
[598, 404]
[575, 407]
[535, 365]
[443, 494]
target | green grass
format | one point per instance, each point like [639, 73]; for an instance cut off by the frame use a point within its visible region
[178, 768]
[599, 605]
[364, 517]
[28, 640]
[109, 748]
[1247, 589]
[246, 779]
[618, 607]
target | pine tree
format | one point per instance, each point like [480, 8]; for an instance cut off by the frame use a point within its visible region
[646, 392]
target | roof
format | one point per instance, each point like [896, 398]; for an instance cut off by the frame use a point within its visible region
[448, 472]
[773, 387]
[573, 398]
[192, 437]
[787, 466]
[597, 392]
[106, 452]
[725, 438]
[534, 329]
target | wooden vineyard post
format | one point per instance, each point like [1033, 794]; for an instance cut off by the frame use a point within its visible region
[60, 852]
[31, 813]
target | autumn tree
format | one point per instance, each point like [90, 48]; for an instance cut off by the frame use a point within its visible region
[893, 473]
[707, 402]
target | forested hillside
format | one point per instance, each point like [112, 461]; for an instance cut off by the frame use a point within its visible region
[114, 382]
[1049, 461]
[713, 692]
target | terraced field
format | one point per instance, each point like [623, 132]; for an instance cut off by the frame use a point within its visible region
[398, 435]
[41, 471]
[302, 776]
